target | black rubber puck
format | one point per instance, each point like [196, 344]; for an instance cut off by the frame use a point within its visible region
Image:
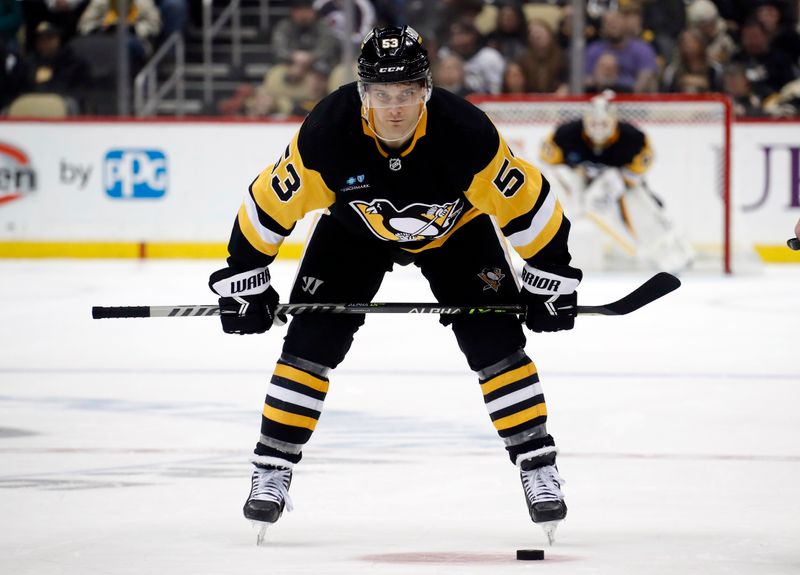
[793, 243]
[530, 554]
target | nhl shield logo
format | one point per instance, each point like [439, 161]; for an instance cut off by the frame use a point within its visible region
[395, 164]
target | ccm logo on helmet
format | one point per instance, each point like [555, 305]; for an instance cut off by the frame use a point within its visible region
[391, 69]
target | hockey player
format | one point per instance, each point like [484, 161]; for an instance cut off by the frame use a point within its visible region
[408, 174]
[600, 163]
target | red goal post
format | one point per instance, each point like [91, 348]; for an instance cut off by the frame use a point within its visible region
[691, 140]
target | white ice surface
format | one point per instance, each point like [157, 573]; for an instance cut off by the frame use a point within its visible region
[124, 443]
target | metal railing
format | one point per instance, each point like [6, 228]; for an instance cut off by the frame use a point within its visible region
[211, 29]
[147, 93]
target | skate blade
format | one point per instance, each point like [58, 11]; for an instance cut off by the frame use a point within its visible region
[549, 528]
[261, 526]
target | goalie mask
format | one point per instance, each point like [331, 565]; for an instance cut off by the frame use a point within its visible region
[393, 72]
[600, 121]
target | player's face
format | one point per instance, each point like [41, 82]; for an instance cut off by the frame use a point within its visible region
[396, 107]
[599, 127]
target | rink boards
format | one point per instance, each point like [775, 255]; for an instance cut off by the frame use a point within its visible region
[172, 189]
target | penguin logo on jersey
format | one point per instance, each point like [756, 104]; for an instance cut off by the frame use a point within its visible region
[492, 277]
[413, 223]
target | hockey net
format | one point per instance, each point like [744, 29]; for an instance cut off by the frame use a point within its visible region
[691, 141]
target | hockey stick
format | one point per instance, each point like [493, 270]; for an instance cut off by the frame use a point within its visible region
[657, 286]
[793, 243]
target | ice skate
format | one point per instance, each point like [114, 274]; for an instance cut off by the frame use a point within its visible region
[269, 494]
[543, 495]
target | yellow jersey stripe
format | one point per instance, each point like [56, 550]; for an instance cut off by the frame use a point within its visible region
[641, 161]
[510, 421]
[551, 153]
[254, 238]
[294, 374]
[484, 194]
[287, 418]
[289, 190]
[543, 238]
[503, 379]
[538, 222]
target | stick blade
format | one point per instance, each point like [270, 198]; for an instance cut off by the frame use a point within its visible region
[657, 286]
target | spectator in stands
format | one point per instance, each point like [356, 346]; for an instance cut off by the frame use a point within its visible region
[666, 19]
[304, 31]
[605, 76]
[637, 60]
[10, 23]
[143, 18]
[483, 66]
[234, 104]
[13, 80]
[782, 36]
[54, 67]
[64, 14]
[174, 17]
[543, 63]
[691, 70]
[510, 36]
[333, 14]
[294, 88]
[767, 70]
[448, 73]
[737, 87]
[704, 16]
[514, 80]
[633, 25]
[786, 103]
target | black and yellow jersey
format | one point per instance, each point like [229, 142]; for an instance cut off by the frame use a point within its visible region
[627, 149]
[455, 167]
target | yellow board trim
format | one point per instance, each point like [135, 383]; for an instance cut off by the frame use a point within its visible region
[287, 418]
[538, 410]
[294, 374]
[128, 250]
[504, 379]
[780, 254]
[769, 253]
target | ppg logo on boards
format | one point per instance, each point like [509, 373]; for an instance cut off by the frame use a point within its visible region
[135, 174]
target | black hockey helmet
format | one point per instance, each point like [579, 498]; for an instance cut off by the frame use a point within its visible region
[393, 54]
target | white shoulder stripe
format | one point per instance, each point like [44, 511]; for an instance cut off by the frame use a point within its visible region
[525, 237]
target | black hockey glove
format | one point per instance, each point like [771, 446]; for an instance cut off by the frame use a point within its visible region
[550, 297]
[247, 300]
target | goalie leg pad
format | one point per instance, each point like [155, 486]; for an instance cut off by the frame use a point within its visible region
[658, 242]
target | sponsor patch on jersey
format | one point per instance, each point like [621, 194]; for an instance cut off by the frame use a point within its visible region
[409, 224]
[355, 183]
[492, 277]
